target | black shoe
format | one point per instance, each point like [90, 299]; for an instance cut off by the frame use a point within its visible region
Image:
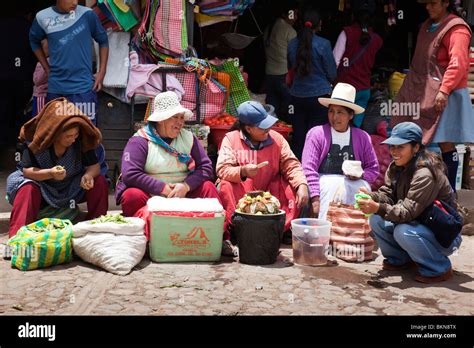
[287, 238]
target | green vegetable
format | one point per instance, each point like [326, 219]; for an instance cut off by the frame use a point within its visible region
[358, 196]
[117, 218]
[52, 226]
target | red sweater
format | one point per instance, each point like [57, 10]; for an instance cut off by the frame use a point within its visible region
[453, 55]
[358, 74]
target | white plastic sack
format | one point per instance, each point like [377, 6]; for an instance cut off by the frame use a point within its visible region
[117, 248]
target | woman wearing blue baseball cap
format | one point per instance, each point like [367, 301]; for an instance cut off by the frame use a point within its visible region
[256, 158]
[413, 181]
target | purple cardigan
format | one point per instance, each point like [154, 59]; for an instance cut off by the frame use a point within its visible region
[316, 148]
[133, 173]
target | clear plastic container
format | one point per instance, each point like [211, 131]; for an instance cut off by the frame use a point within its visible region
[310, 241]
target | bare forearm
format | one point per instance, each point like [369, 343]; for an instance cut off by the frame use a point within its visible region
[103, 56]
[37, 174]
[39, 53]
[93, 170]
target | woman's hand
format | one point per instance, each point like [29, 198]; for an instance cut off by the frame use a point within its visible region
[248, 170]
[441, 101]
[178, 190]
[364, 189]
[302, 196]
[58, 173]
[87, 182]
[166, 191]
[368, 206]
[315, 206]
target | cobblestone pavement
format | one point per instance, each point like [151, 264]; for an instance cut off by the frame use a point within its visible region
[231, 288]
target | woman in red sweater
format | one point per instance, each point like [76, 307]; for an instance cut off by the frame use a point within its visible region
[437, 83]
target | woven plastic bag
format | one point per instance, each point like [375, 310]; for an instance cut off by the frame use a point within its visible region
[238, 89]
[350, 233]
[44, 243]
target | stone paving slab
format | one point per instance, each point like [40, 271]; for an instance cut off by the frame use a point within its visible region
[230, 288]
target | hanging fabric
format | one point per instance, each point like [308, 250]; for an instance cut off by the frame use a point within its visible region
[126, 19]
[224, 8]
[105, 16]
[169, 31]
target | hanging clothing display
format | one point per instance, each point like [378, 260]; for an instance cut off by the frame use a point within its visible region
[224, 8]
[118, 61]
[120, 13]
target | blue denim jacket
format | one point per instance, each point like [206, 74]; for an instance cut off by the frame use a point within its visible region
[323, 70]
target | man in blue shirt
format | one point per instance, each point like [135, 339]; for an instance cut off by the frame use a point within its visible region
[69, 29]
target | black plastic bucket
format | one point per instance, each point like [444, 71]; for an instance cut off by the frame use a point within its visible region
[258, 237]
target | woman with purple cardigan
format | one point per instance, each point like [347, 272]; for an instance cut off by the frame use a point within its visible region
[338, 159]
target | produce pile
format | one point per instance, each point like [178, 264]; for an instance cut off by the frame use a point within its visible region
[258, 203]
[228, 120]
[118, 219]
[222, 120]
[52, 225]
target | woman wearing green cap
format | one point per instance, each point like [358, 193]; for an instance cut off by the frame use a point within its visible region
[413, 181]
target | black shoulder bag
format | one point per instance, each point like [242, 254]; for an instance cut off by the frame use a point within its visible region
[443, 220]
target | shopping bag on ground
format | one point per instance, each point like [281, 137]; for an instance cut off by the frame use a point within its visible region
[43, 243]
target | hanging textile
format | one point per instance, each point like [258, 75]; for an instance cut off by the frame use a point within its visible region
[162, 32]
[126, 19]
[169, 30]
[105, 16]
[224, 8]
[118, 62]
[204, 20]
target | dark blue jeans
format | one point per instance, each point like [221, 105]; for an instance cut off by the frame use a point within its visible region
[307, 113]
[278, 95]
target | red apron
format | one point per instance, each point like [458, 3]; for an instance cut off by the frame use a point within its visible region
[423, 82]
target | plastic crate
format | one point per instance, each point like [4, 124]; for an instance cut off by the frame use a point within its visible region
[183, 239]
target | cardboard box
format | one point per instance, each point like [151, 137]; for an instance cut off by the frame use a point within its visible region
[181, 239]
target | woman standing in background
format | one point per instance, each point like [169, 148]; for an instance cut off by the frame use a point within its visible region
[315, 69]
[355, 52]
[277, 36]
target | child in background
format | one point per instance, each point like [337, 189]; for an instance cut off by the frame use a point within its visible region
[40, 80]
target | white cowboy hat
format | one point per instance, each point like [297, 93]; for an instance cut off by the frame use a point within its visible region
[344, 95]
[167, 105]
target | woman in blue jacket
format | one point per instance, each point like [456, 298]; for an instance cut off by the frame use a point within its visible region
[313, 62]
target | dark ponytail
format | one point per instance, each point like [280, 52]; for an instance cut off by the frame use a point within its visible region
[426, 159]
[310, 20]
[363, 19]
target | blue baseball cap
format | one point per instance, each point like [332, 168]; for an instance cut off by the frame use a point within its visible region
[404, 133]
[253, 113]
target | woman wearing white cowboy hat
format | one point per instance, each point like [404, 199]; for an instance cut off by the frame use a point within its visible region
[163, 158]
[338, 155]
